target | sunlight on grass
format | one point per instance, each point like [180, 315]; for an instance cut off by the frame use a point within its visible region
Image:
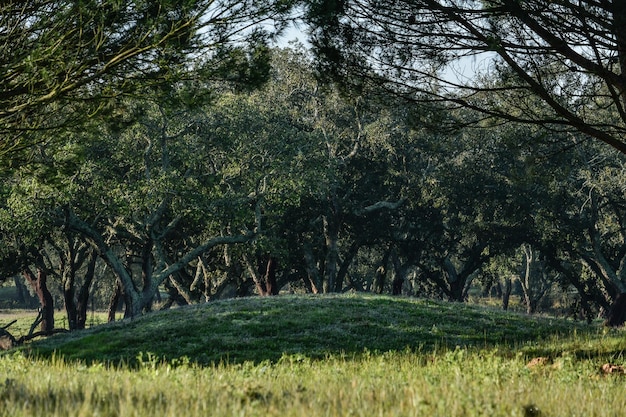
[320, 356]
[460, 382]
[264, 328]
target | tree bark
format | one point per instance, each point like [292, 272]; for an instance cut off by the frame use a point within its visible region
[76, 303]
[180, 289]
[263, 274]
[137, 300]
[506, 293]
[399, 273]
[344, 265]
[331, 235]
[455, 282]
[82, 300]
[270, 276]
[381, 273]
[114, 302]
[533, 279]
[312, 271]
[39, 284]
[617, 313]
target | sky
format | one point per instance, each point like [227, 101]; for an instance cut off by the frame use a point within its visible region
[459, 72]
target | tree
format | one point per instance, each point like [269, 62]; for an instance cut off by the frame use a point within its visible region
[534, 278]
[63, 61]
[299, 150]
[164, 200]
[24, 231]
[559, 65]
[75, 258]
[580, 226]
[569, 57]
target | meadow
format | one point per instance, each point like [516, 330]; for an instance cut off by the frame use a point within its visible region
[321, 356]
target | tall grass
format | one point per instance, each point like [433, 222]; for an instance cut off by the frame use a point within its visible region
[488, 376]
[448, 383]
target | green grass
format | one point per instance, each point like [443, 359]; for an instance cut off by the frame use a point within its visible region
[319, 356]
[259, 329]
[25, 318]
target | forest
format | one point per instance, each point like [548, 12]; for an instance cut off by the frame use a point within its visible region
[164, 153]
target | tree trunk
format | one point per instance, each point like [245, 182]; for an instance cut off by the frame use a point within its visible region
[202, 274]
[70, 308]
[525, 280]
[40, 286]
[399, 273]
[506, 293]
[270, 276]
[344, 265]
[331, 235]
[381, 274]
[82, 301]
[534, 279]
[137, 300]
[455, 283]
[68, 278]
[183, 294]
[263, 274]
[312, 271]
[131, 304]
[617, 313]
[114, 302]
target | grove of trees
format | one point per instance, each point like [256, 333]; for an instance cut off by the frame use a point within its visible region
[166, 153]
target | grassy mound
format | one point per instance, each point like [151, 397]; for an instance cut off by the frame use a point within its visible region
[266, 329]
[315, 356]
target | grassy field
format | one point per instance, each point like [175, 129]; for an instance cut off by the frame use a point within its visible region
[321, 356]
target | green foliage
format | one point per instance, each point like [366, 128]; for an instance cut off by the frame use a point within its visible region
[540, 57]
[63, 62]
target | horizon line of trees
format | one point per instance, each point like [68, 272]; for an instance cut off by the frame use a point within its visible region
[151, 145]
[294, 184]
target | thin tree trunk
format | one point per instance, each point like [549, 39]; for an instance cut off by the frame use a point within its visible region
[381, 273]
[256, 274]
[114, 301]
[264, 274]
[345, 265]
[526, 278]
[270, 276]
[82, 301]
[400, 271]
[506, 293]
[312, 272]
[331, 235]
[68, 278]
[180, 289]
